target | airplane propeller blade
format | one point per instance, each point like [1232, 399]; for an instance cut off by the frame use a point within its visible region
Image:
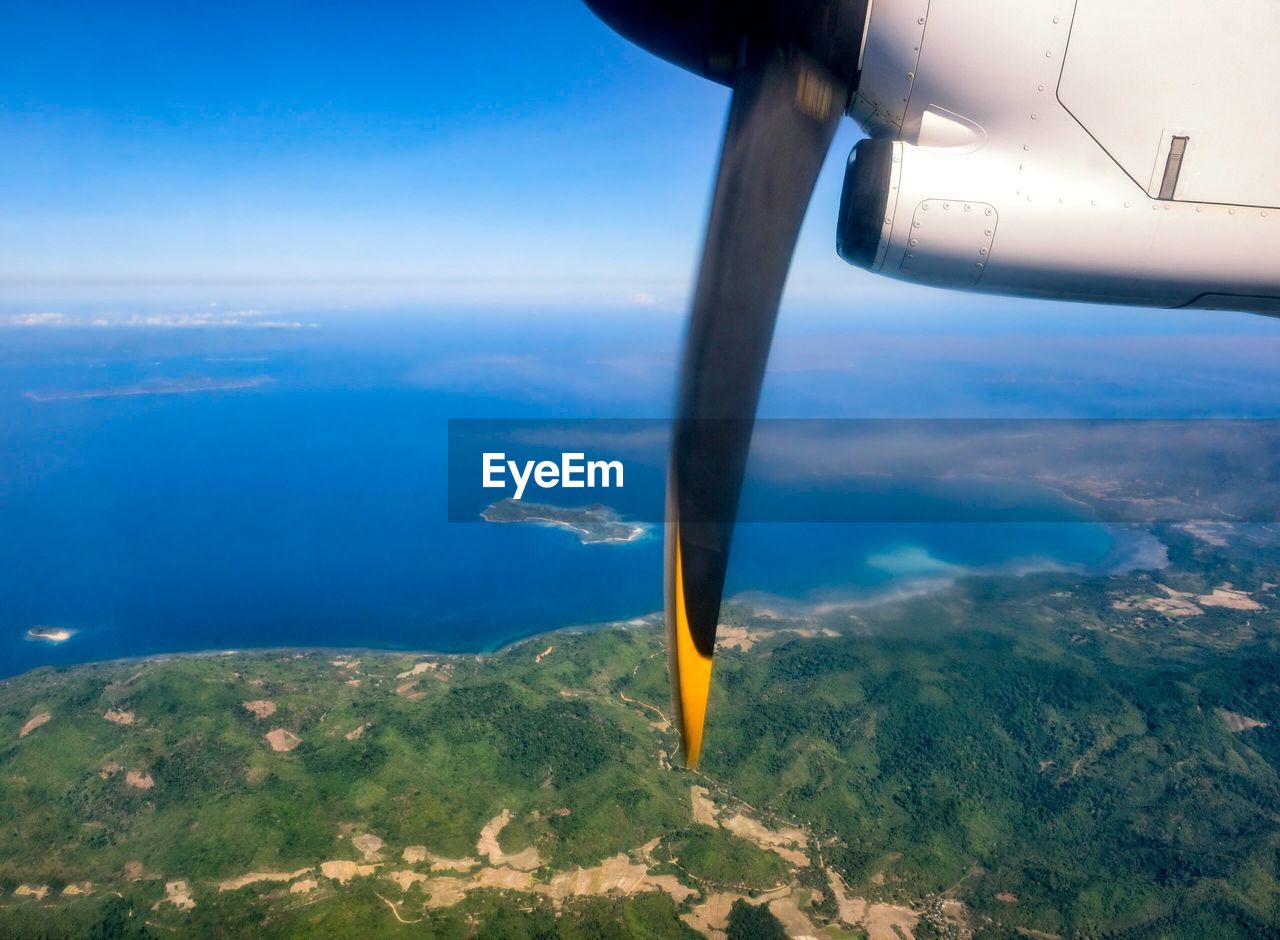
[782, 119]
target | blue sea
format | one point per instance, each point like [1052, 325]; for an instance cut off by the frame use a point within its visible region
[173, 489]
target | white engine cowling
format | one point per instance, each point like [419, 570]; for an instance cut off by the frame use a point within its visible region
[1070, 150]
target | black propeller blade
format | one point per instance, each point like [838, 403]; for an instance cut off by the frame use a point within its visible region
[784, 114]
[792, 65]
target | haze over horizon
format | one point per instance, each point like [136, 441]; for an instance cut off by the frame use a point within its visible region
[157, 165]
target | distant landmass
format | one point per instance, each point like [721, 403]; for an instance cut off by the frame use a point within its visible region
[1052, 755]
[592, 524]
[183, 387]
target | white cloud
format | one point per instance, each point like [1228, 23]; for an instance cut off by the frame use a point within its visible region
[48, 318]
[209, 318]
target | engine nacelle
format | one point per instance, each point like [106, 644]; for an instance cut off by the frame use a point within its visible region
[1048, 149]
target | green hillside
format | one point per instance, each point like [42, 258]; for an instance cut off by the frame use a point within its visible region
[1050, 753]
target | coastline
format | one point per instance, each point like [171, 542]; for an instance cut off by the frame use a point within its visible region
[653, 620]
[1126, 555]
[1133, 549]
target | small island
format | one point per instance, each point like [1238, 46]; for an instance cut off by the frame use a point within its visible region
[157, 387]
[593, 524]
[49, 634]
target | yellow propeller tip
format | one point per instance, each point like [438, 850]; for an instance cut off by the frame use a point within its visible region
[691, 672]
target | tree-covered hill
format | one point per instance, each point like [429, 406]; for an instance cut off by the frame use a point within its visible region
[1051, 753]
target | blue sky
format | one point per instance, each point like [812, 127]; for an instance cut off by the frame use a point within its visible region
[279, 154]
[460, 150]
[273, 154]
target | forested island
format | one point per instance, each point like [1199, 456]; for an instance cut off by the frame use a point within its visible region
[592, 524]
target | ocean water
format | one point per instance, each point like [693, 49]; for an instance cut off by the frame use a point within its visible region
[296, 495]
